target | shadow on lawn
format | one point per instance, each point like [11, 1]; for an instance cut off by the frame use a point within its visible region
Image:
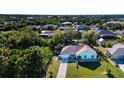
[110, 75]
[90, 65]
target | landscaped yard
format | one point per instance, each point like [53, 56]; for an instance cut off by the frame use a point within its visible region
[90, 70]
[53, 68]
[94, 70]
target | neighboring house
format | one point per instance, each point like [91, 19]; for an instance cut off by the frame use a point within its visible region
[78, 53]
[5, 32]
[115, 43]
[29, 17]
[66, 28]
[66, 23]
[101, 42]
[116, 52]
[82, 27]
[49, 27]
[34, 27]
[77, 23]
[46, 33]
[120, 19]
[112, 22]
[119, 32]
[9, 22]
[106, 33]
[95, 28]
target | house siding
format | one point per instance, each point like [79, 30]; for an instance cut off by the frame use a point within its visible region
[84, 57]
[88, 57]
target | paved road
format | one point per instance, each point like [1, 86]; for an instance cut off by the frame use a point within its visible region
[62, 70]
[121, 66]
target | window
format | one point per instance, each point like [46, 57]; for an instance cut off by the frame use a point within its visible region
[92, 56]
[85, 56]
[78, 57]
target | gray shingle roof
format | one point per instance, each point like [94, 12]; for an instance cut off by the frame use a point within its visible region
[118, 48]
[120, 32]
[71, 49]
[76, 49]
[106, 32]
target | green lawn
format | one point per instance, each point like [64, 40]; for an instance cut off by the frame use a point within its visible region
[93, 70]
[53, 68]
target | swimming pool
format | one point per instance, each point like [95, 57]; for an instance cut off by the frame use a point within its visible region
[119, 61]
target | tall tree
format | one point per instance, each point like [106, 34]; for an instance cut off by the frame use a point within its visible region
[90, 37]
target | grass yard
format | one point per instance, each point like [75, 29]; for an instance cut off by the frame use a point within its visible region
[102, 49]
[53, 68]
[94, 70]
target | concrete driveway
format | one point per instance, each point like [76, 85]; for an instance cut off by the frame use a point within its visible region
[121, 66]
[62, 70]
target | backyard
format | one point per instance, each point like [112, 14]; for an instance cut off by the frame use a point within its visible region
[93, 70]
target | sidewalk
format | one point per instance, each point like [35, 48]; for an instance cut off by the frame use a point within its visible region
[121, 66]
[62, 70]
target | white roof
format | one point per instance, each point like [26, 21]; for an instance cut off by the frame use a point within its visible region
[101, 39]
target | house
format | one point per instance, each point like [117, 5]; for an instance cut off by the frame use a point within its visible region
[78, 53]
[29, 17]
[9, 22]
[46, 34]
[96, 27]
[120, 19]
[114, 43]
[116, 52]
[66, 28]
[33, 27]
[112, 22]
[101, 42]
[119, 32]
[66, 23]
[49, 27]
[82, 27]
[106, 33]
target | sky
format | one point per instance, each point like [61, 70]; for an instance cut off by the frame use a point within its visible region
[61, 7]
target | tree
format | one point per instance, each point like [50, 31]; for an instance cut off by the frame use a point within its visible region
[33, 62]
[109, 43]
[90, 37]
[62, 38]
[22, 39]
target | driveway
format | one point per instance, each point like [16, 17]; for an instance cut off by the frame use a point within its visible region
[62, 70]
[121, 66]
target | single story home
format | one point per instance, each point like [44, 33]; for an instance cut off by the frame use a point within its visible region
[112, 22]
[96, 27]
[78, 53]
[119, 32]
[82, 27]
[34, 27]
[116, 52]
[106, 33]
[67, 23]
[46, 34]
[65, 28]
[49, 27]
[120, 19]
